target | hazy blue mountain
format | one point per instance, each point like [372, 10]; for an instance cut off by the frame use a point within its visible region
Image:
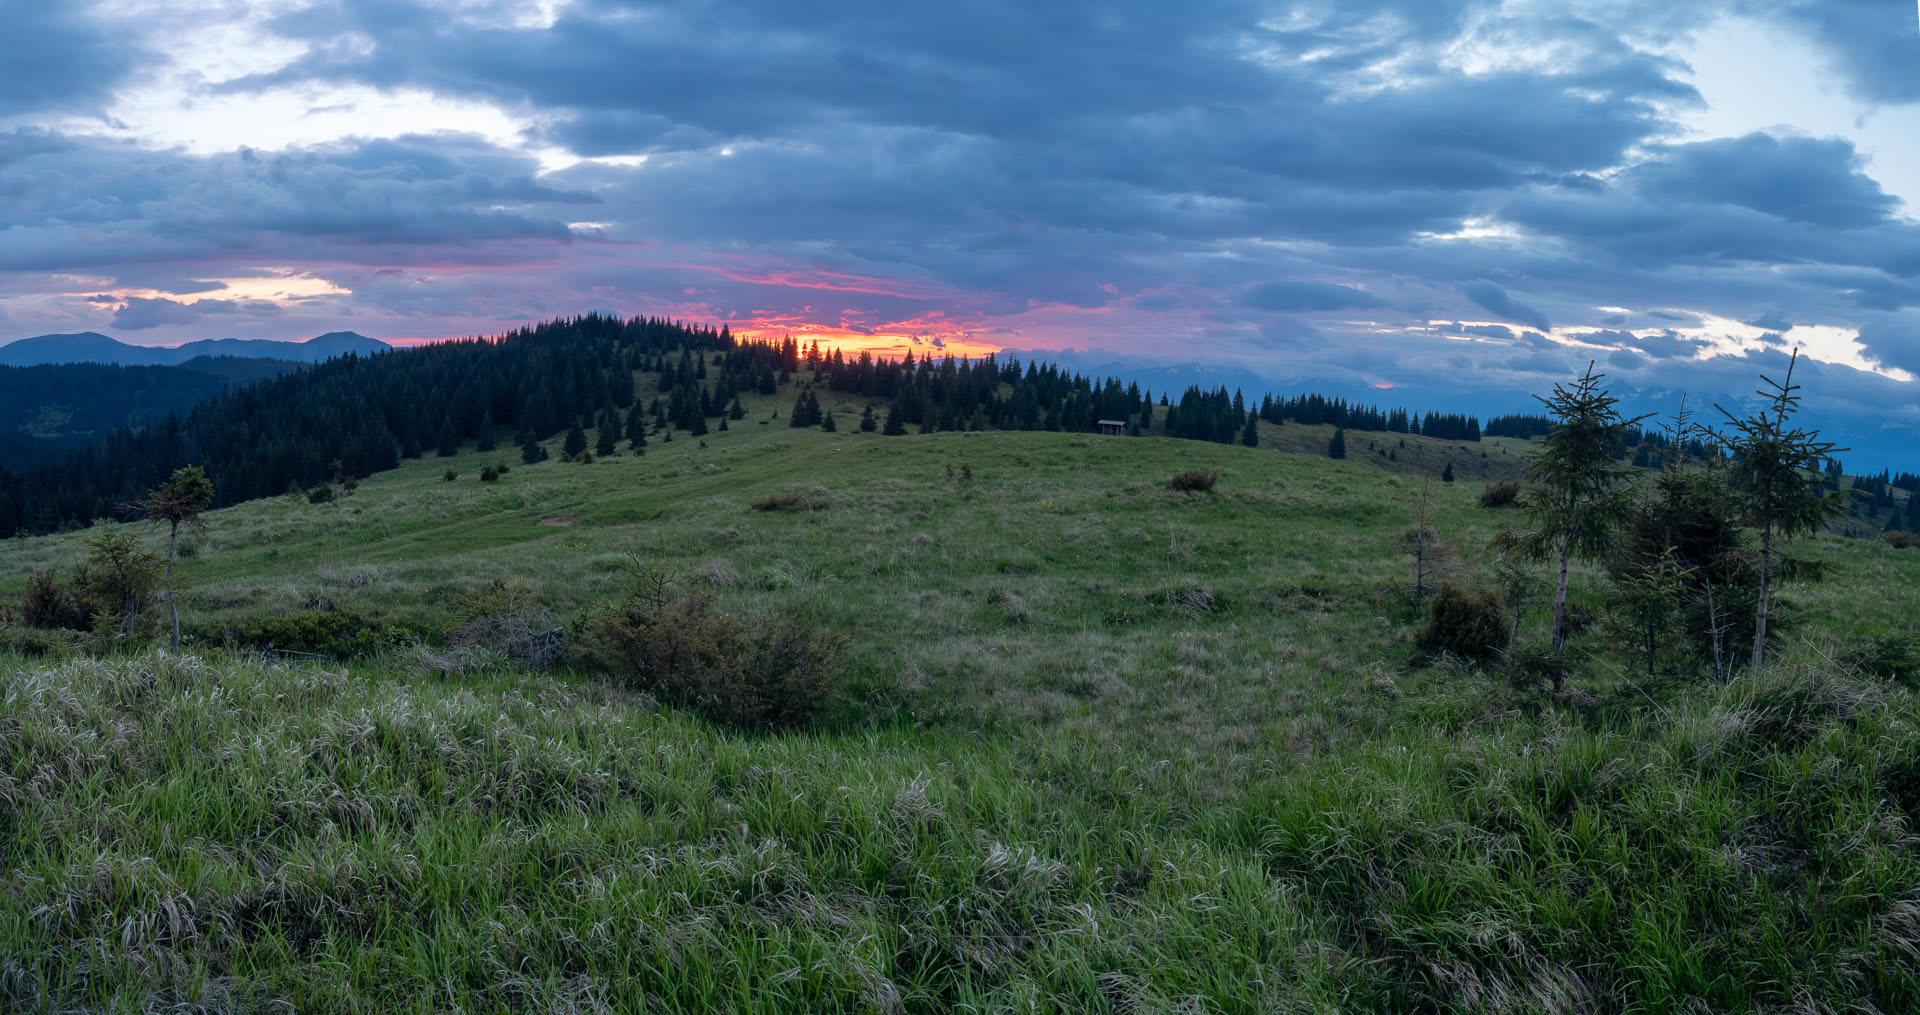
[91, 347]
[1873, 442]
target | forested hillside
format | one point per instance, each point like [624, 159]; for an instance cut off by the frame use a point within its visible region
[47, 410]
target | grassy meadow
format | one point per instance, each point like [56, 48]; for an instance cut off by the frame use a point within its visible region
[1100, 746]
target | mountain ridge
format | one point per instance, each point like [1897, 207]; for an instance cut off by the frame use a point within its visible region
[93, 347]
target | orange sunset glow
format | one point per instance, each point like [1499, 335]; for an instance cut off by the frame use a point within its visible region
[884, 345]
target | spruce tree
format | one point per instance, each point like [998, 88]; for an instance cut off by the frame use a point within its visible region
[447, 444]
[1777, 482]
[637, 427]
[867, 422]
[1581, 495]
[1446, 475]
[576, 441]
[1337, 447]
[606, 433]
[827, 423]
[531, 451]
[1250, 436]
[486, 442]
[894, 427]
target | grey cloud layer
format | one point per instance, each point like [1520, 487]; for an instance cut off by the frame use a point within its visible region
[1254, 174]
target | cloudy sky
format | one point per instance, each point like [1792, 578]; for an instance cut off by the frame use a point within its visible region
[1457, 201]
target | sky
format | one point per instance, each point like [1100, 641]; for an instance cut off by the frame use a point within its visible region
[1443, 203]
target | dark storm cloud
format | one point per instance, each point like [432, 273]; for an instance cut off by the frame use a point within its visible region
[1307, 296]
[139, 313]
[1496, 301]
[1755, 199]
[1811, 180]
[56, 57]
[89, 203]
[1894, 340]
[1870, 43]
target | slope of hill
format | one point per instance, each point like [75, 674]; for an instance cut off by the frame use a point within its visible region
[46, 411]
[357, 417]
[92, 347]
[1102, 747]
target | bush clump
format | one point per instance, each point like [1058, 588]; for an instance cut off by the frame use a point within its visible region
[1193, 480]
[764, 671]
[341, 634]
[27, 641]
[52, 604]
[508, 618]
[791, 500]
[1500, 493]
[1901, 540]
[1469, 623]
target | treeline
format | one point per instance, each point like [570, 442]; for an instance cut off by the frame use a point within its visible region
[944, 394]
[353, 416]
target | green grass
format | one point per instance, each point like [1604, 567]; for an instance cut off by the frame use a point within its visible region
[1103, 747]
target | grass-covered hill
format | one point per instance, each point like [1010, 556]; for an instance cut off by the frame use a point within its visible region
[1098, 746]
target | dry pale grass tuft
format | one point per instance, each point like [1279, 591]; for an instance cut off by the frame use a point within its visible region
[718, 574]
[1013, 605]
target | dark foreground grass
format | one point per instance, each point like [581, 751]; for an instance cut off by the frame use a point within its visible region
[183, 832]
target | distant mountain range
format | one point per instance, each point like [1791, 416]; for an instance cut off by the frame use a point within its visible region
[91, 347]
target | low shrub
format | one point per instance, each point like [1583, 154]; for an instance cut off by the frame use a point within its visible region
[320, 494]
[761, 671]
[1500, 493]
[1536, 667]
[450, 475]
[1469, 623]
[52, 604]
[27, 641]
[1901, 540]
[1888, 657]
[489, 474]
[1193, 480]
[791, 500]
[508, 618]
[338, 633]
